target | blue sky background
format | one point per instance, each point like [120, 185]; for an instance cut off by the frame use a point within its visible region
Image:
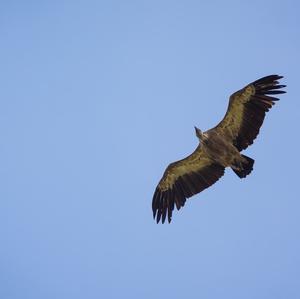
[96, 98]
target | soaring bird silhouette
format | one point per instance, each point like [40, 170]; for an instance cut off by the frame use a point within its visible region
[218, 148]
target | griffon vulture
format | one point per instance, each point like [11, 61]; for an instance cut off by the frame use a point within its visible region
[218, 148]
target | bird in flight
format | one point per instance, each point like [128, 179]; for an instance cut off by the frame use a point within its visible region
[218, 148]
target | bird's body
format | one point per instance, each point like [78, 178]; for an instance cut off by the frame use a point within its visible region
[218, 148]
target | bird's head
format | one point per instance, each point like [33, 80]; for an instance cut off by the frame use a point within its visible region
[201, 136]
[198, 133]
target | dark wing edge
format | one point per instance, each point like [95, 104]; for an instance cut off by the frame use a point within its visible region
[184, 186]
[247, 109]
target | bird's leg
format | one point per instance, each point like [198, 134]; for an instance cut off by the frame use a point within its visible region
[238, 163]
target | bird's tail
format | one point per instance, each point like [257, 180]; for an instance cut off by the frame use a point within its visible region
[244, 168]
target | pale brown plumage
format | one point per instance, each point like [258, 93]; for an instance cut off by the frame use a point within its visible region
[219, 148]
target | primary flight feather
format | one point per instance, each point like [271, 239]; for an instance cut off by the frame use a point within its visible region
[218, 148]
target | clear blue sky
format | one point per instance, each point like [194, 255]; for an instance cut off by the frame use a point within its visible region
[96, 99]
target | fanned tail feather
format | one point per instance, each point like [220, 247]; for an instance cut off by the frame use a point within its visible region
[244, 168]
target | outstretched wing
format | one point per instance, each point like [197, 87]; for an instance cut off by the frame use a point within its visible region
[247, 109]
[181, 180]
